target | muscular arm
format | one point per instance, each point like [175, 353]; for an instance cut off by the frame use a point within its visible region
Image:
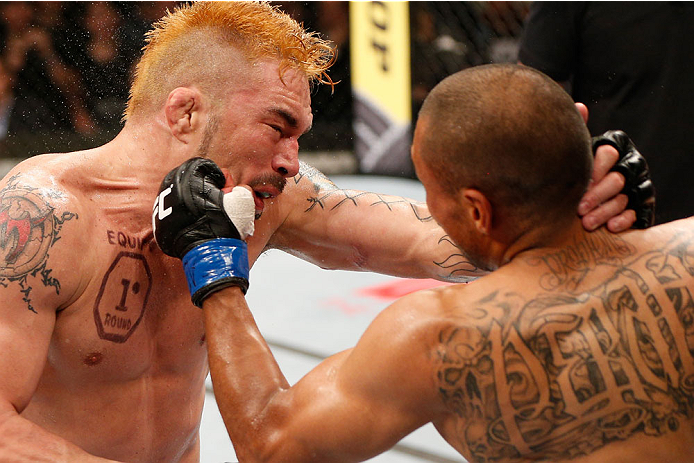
[357, 230]
[352, 406]
[33, 286]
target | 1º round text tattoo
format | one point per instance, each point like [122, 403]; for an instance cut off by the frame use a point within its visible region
[29, 227]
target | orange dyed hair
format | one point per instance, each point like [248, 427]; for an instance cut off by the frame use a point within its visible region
[194, 45]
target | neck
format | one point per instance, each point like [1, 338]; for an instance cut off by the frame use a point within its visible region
[545, 238]
[128, 171]
[144, 154]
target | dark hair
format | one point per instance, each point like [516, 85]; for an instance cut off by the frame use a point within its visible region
[513, 134]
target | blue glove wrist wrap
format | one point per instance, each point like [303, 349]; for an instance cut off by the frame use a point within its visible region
[214, 265]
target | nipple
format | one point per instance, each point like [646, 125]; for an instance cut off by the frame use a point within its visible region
[93, 358]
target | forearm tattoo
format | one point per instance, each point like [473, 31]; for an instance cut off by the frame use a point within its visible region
[29, 227]
[574, 368]
[456, 267]
[325, 190]
[315, 176]
[327, 196]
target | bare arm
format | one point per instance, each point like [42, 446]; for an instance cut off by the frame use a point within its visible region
[33, 286]
[357, 230]
[352, 406]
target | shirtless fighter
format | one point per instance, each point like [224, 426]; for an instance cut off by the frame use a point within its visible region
[102, 352]
[578, 346]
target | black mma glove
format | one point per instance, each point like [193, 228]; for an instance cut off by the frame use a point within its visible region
[196, 222]
[637, 179]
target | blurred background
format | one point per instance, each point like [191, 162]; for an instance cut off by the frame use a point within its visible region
[66, 67]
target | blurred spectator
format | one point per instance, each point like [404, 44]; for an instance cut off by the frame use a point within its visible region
[332, 108]
[6, 101]
[450, 36]
[47, 94]
[505, 20]
[138, 18]
[105, 65]
[631, 64]
[435, 55]
[69, 65]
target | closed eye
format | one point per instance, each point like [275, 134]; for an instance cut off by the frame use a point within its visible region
[277, 129]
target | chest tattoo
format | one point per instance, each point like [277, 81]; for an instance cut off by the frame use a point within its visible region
[124, 292]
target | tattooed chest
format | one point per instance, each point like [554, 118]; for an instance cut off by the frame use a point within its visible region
[566, 375]
[136, 315]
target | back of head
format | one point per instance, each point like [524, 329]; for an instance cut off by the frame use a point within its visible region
[200, 44]
[513, 134]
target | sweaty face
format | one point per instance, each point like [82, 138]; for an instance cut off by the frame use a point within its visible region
[259, 128]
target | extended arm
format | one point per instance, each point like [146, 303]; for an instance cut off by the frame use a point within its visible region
[351, 407]
[357, 230]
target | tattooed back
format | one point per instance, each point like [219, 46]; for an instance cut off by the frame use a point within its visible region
[580, 353]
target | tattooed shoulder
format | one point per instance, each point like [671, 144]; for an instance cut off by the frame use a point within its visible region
[29, 227]
[310, 174]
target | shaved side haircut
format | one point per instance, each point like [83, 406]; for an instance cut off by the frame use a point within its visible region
[204, 44]
[513, 134]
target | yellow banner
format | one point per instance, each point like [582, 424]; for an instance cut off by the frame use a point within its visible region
[380, 73]
[380, 44]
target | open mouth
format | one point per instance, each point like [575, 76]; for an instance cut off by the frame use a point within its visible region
[260, 197]
[266, 188]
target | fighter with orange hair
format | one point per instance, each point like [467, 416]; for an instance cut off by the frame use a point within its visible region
[103, 354]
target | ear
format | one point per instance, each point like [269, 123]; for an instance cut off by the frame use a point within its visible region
[583, 111]
[478, 208]
[183, 111]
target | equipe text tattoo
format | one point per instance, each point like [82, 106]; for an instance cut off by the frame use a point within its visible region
[124, 240]
[29, 227]
[560, 374]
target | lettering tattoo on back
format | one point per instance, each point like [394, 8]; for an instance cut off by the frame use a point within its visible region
[568, 267]
[564, 373]
[29, 227]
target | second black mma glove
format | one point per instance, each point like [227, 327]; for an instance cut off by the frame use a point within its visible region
[196, 222]
[637, 178]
